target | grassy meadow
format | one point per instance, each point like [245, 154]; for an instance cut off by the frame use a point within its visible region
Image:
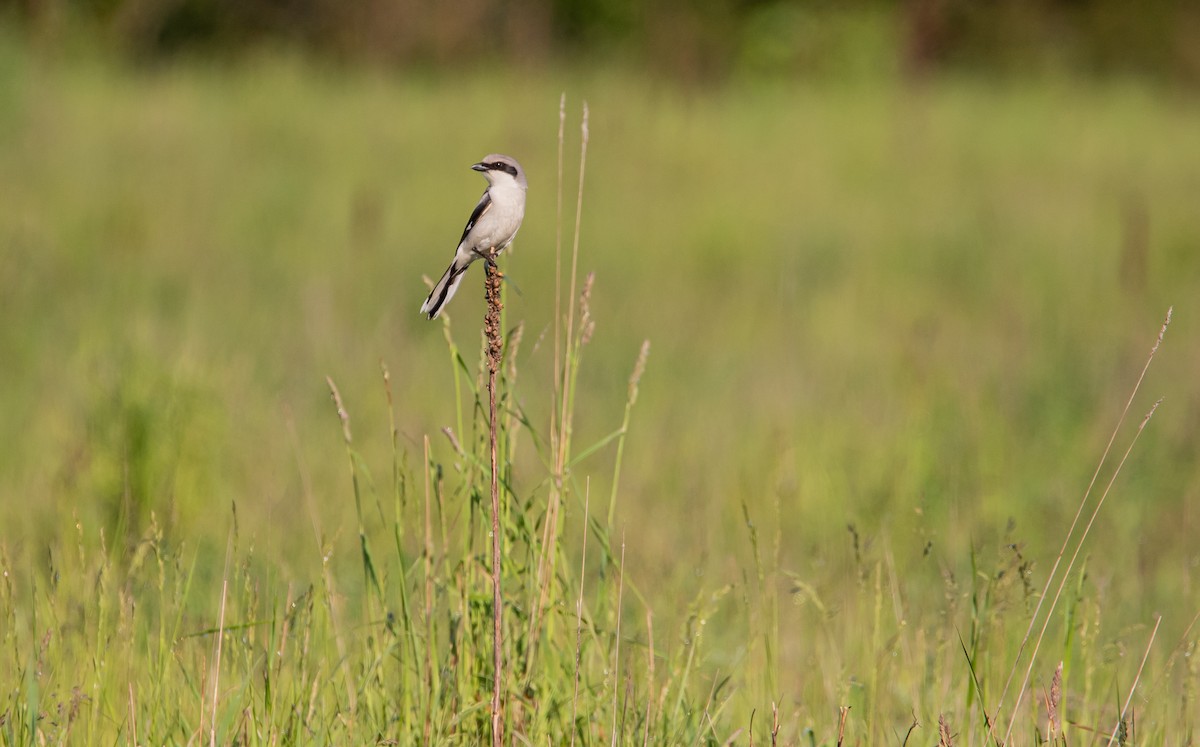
[892, 328]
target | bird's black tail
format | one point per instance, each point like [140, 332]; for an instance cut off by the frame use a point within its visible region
[444, 290]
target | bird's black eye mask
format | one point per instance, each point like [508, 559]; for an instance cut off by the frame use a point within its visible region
[499, 166]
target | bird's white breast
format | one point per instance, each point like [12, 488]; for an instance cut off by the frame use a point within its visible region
[499, 224]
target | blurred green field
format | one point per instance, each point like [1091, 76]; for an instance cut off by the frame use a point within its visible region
[911, 311]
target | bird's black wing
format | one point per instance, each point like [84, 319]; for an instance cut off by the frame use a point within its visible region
[485, 204]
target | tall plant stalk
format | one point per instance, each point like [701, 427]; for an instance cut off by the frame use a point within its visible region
[491, 328]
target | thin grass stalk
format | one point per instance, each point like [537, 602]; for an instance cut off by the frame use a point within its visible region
[583, 336]
[398, 491]
[560, 435]
[216, 693]
[587, 495]
[698, 614]
[617, 642]
[195, 737]
[873, 717]
[1067, 573]
[649, 675]
[756, 612]
[512, 420]
[455, 367]
[344, 418]
[772, 634]
[569, 360]
[370, 577]
[491, 327]
[431, 686]
[562, 123]
[557, 381]
[1183, 642]
[1133, 688]
[631, 398]
[556, 395]
[1074, 522]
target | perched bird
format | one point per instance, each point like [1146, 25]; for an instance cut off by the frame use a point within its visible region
[490, 229]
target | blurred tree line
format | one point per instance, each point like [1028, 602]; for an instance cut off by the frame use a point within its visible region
[690, 38]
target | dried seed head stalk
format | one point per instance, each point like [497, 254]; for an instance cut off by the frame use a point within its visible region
[495, 349]
[944, 738]
[491, 322]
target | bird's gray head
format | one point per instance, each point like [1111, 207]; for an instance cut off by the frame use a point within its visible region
[497, 168]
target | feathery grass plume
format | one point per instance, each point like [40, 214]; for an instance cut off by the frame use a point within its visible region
[587, 326]
[1053, 701]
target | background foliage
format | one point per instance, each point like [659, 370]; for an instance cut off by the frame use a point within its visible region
[690, 39]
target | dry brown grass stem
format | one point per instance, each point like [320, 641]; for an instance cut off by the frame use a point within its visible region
[1066, 543]
[495, 350]
[911, 728]
[843, 712]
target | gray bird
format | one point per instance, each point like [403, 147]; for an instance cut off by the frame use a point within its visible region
[490, 229]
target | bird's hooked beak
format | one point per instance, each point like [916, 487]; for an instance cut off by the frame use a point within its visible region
[479, 166]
